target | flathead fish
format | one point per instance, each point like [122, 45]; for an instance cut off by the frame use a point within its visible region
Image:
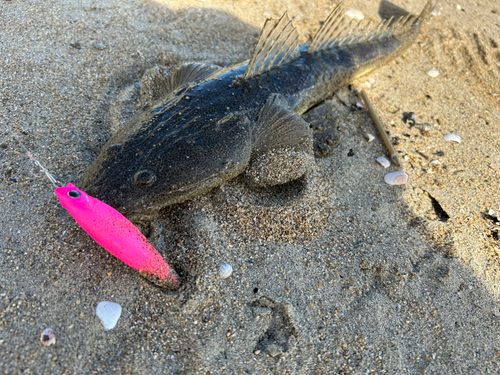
[203, 125]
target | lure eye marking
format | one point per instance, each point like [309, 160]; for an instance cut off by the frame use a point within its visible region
[73, 194]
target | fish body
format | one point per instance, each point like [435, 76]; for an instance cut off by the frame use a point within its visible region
[206, 126]
[116, 234]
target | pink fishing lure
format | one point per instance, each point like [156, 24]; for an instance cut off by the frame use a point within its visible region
[115, 233]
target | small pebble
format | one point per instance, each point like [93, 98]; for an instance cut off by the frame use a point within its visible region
[450, 137]
[409, 118]
[384, 162]
[435, 162]
[225, 270]
[99, 46]
[433, 73]
[109, 313]
[396, 178]
[436, 13]
[48, 337]
[360, 105]
[355, 14]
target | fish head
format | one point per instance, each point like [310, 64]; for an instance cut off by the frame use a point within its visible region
[161, 160]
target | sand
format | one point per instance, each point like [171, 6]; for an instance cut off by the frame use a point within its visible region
[335, 273]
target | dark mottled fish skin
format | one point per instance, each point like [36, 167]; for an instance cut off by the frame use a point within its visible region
[203, 134]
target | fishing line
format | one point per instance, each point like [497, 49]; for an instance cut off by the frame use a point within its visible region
[52, 179]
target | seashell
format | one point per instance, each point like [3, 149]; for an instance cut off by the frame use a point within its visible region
[436, 13]
[424, 127]
[360, 105]
[355, 14]
[109, 313]
[450, 137]
[396, 178]
[435, 162]
[99, 46]
[48, 337]
[225, 270]
[433, 73]
[369, 137]
[384, 162]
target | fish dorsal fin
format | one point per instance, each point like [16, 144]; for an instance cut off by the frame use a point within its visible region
[278, 44]
[340, 31]
[156, 83]
[192, 72]
[279, 126]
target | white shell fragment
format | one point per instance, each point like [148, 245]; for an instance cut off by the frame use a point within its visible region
[396, 178]
[424, 127]
[99, 46]
[450, 137]
[48, 337]
[433, 73]
[369, 137]
[384, 162]
[435, 163]
[225, 270]
[109, 313]
[355, 14]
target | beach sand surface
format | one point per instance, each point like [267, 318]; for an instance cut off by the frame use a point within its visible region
[335, 273]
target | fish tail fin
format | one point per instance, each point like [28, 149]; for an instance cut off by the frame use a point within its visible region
[425, 14]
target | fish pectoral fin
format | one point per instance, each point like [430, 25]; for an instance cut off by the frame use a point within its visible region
[156, 83]
[278, 44]
[278, 127]
[282, 146]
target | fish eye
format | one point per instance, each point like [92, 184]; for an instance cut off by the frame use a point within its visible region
[145, 178]
[73, 193]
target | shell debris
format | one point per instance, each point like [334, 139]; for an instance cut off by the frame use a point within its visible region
[225, 270]
[369, 137]
[108, 313]
[433, 73]
[355, 14]
[424, 128]
[396, 178]
[450, 137]
[384, 162]
[48, 337]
